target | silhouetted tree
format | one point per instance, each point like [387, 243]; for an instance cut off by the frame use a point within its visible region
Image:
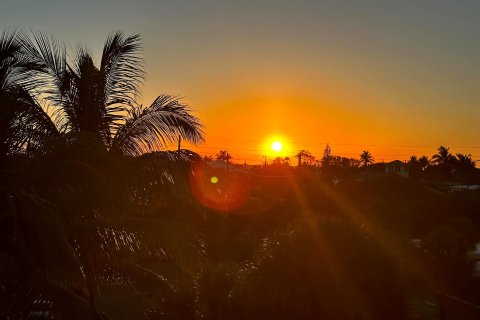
[424, 162]
[465, 161]
[22, 119]
[207, 158]
[366, 158]
[306, 156]
[100, 101]
[444, 163]
[281, 161]
[413, 160]
[443, 156]
[69, 219]
[224, 156]
[327, 154]
[465, 168]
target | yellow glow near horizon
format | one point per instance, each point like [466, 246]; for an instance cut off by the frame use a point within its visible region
[277, 146]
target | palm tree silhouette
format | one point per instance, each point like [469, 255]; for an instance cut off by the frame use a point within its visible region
[207, 158]
[424, 162]
[465, 161]
[19, 111]
[224, 156]
[100, 102]
[413, 160]
[443, 156]
[366, 158]
[75, 214]
[464, 168]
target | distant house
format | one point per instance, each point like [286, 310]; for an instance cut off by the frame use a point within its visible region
[397, 167]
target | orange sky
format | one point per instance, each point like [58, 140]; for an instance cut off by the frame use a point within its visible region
[308, 109]
[394, 77]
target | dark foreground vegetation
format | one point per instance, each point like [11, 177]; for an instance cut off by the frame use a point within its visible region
[97, 222]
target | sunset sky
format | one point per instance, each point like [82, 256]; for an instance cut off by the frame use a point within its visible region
[393, 77]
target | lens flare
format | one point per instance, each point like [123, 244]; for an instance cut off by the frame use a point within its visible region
[222, 190]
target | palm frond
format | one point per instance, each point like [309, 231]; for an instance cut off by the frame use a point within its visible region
[46, 300]
[154, 128]
[40, 241]
[17, 66]
[49, 81]
[9, 51]
[154, 181]
[79, 184]
[47, 50]
[107, 245]
[122, 73]
[27, 123]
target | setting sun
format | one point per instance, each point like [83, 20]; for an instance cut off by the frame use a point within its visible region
[277, 146]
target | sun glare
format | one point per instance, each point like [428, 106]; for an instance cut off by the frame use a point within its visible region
[277, 146]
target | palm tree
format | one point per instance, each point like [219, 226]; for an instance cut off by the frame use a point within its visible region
[207, 158]
[465, 161]
[464, 168]
[443, 156]
[100, 102]
[73, 221]
[70, 233]
[19, 111]
[366, 158]
[224, 156]
[424, 162]
[37, 258]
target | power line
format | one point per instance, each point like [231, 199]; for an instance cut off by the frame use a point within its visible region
[344, 144]
[316, 153]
